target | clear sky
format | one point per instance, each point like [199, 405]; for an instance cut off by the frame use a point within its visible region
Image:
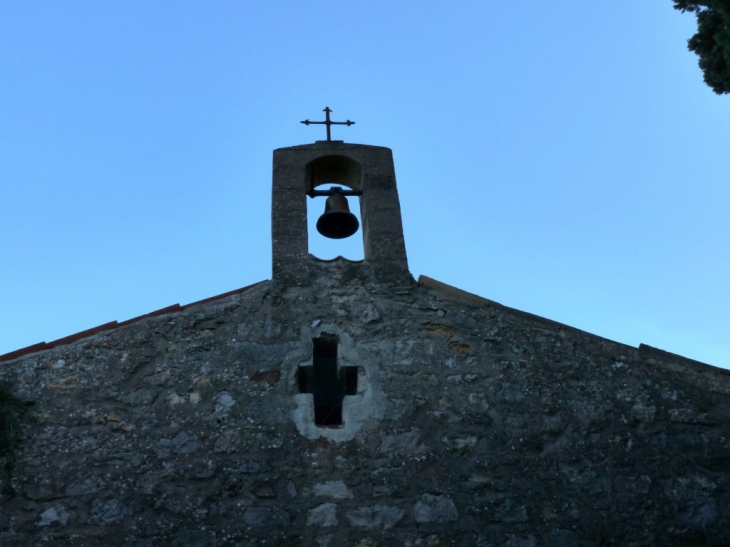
[563, 158]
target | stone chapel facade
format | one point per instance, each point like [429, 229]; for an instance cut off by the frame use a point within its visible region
[345, 404]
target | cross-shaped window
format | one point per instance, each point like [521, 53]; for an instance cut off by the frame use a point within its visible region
[327, 384]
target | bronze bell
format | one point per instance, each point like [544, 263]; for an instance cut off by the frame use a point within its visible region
[337, 222]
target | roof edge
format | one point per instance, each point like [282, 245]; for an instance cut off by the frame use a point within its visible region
[175, 308]
[332, 145]
[450, 290]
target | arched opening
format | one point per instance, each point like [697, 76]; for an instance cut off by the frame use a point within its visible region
[334, 169]
[322, 174]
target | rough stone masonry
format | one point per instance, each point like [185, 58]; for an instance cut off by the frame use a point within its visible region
[462, 422]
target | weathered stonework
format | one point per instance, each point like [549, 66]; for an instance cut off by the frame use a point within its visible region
[490, 427]
[464, 422]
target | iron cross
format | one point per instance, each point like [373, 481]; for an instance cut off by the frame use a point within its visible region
[328, 123]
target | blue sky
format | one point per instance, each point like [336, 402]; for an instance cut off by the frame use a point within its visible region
[565, 159]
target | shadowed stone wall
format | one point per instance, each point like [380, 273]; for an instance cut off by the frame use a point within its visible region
[478, 425]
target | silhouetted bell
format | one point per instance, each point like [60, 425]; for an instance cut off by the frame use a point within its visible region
[337, 222]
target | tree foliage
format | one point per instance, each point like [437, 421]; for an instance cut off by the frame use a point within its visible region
[11, 412]
[712, 41]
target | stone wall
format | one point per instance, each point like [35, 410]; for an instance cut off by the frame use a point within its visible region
[472, 425]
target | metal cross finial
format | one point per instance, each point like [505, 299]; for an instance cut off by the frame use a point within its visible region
[328, 123]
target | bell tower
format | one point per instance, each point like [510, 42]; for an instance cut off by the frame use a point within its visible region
[367, 174]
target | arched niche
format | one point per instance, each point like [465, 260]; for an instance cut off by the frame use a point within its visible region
[334, 170]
